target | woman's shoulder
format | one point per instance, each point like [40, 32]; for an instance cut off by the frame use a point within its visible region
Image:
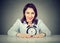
[18, 21]
[39, 21]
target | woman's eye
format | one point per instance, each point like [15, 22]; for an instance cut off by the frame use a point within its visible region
[27, 12]
[32, 13]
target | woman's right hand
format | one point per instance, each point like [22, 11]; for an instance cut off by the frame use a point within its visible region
[23, 35]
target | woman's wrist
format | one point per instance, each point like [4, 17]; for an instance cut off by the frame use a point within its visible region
[39, 35]
[44, 34]
[18, 34]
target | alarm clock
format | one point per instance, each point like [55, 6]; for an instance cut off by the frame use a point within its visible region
[31, 30]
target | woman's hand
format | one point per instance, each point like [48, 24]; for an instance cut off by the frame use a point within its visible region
[39, 35]
[29, 36]
[23, 35]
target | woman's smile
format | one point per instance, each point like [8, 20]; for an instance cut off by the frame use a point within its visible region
[30, 18]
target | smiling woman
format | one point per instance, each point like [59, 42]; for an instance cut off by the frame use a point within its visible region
[29, 26]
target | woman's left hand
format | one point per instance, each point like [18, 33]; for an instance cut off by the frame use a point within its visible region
[39, 35]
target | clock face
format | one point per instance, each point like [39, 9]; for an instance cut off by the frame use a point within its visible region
[32, 31]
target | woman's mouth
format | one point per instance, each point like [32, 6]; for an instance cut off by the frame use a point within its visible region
[30, 18]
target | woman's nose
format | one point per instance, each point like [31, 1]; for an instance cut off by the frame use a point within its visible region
[30, 15]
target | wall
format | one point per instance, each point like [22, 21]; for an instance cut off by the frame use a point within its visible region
[48, 11]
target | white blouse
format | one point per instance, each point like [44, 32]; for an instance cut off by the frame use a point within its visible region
[19, 27]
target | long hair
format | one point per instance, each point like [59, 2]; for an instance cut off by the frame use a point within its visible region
[29, 5]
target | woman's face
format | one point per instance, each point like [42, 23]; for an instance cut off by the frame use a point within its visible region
[29, 14]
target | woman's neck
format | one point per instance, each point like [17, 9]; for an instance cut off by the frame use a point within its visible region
[30, 23]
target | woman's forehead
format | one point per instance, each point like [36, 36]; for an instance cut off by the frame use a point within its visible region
[29, 10]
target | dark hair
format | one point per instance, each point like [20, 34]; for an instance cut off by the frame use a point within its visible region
[29, 5]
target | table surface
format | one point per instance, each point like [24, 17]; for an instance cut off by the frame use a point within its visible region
[10, 39]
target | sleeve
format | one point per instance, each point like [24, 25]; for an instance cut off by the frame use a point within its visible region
[44, 28]
[14, 29]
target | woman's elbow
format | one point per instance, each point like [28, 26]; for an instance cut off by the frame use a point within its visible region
[8, 33]
[48, 33]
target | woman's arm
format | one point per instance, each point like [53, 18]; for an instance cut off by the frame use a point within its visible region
[23, 35]
[14, 29]
[44, 30]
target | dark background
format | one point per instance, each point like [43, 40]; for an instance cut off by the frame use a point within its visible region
[48, 11]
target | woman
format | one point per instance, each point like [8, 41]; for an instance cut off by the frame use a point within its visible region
[29, 26]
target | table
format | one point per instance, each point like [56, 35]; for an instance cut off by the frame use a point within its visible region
[10, 39]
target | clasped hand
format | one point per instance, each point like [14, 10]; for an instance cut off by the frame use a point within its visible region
[30, 36]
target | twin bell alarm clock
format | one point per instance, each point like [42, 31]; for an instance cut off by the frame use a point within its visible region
[31, 30]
